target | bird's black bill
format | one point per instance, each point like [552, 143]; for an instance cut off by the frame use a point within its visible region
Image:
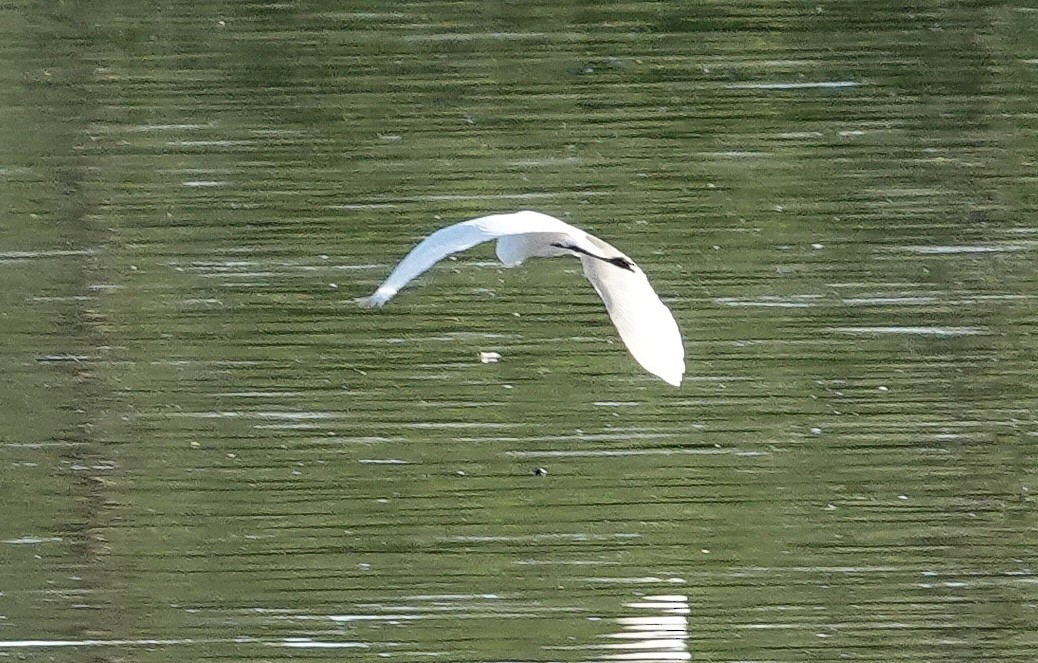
[619, 261]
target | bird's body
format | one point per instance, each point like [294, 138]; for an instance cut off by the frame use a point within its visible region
[645, 324]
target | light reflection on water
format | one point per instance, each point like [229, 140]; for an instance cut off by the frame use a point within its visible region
[656, 631]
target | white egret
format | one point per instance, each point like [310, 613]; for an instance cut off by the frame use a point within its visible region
[645, 324]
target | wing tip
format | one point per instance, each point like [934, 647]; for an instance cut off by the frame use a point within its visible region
[377, 300]
[673, 379]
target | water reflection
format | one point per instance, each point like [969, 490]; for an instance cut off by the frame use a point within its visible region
[658, 637]
[656, 628]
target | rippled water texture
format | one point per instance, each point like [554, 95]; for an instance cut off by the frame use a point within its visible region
[208, 452]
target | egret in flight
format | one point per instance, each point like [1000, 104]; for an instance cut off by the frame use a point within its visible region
[645, 324]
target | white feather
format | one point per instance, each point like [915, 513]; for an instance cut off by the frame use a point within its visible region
[645, 324]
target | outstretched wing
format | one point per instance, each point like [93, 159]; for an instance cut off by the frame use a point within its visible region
[461, 236]
[429, 251]
[645, 324]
